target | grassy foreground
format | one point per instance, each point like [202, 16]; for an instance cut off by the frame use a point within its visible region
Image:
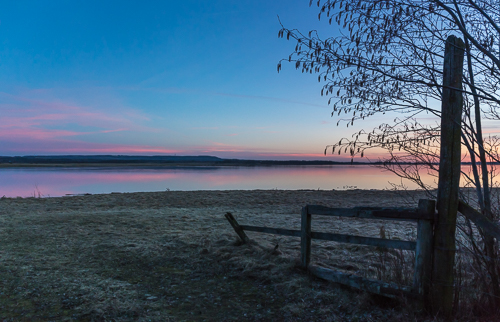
[171, 256]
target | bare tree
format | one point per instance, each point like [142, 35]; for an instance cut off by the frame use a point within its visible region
[388, 59]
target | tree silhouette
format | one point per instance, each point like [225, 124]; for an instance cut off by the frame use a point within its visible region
[388, 59]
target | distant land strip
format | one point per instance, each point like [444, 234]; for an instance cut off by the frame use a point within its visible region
[154, 161]
[157, 160]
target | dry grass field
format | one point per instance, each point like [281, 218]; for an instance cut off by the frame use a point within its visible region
[172, 256]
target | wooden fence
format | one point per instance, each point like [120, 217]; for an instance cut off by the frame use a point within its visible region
[424, 215]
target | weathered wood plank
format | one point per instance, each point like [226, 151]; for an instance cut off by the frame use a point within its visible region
[379, 242]
[237, 227]
[370, 212]
[449, 177]
[305, 237]
[361, 283]
[351, 239]
[483, 222]
[276, 231]
[423, 252]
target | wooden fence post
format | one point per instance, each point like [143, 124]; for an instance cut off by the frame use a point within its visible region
[423, 251]
[449, 178]
[305, 238]
[237, 228]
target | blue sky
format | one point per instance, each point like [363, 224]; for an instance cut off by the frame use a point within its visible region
[159, 77]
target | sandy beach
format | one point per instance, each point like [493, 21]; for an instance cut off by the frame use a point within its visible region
[172, 256]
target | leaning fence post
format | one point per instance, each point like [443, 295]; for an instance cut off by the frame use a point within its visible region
[423, 251]
[305, 238]
[237, 228]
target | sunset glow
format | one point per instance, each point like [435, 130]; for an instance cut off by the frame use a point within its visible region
[159, 77]
[164, 77]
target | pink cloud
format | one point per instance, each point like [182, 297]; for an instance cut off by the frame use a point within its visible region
[48, 145]
[48, 117]
[33, 133]
[34, 124]
[120, 149]
[24, 118]
[55, 110]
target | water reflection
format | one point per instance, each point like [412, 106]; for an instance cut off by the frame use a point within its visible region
[27, 182]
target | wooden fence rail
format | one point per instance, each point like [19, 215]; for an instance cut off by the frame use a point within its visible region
[423, 215]
[489, 227]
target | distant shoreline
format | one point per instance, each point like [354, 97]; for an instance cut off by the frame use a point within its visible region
[124, 161]
[151, 161]
[169, 165]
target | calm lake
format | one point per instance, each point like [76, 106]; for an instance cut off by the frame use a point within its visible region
[53, 182]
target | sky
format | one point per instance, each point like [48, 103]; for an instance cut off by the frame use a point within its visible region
[160, 78]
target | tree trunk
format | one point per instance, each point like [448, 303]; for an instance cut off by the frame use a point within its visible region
[484, 194]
